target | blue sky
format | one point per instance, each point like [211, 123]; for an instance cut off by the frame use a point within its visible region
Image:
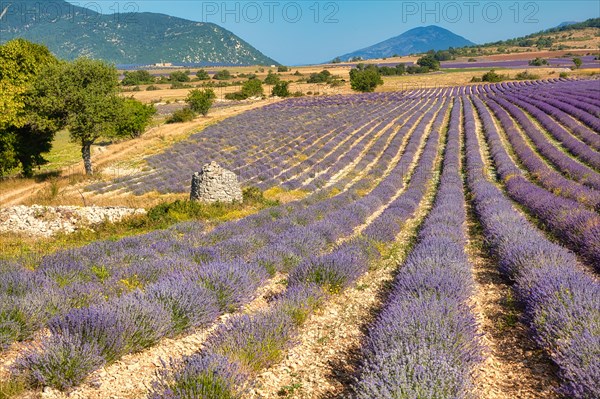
[300, 32]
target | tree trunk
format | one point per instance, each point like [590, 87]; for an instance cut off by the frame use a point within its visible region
[86, 153]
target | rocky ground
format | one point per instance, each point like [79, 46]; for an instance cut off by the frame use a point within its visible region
[45, 221]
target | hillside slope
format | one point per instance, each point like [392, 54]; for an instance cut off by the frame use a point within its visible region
[70, 31]
[414, 41]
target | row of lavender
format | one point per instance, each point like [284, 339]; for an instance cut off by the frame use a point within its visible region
[544, 174]
[238, 350]
[424, 342]
[571, 143]
[568, 219]
[561, 302]
[217, 261]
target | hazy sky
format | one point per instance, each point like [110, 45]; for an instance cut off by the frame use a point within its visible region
[300, 32]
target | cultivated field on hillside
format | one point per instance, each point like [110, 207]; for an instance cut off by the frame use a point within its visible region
[446, 244]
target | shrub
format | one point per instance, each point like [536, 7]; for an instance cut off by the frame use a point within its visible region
[272, 78]
[152, 87]
[333, 271]
[233, 283]
[255, 342]
[365, 80]
[139, 77]
[252, 88]
[281, 89]
[429, 61]
[190, 304]
[179, 76]
[413, 69]
[177, 85]
[563, 75]
[200, 101]
[202, 75]
[491, 76]
[322, 77]
[282, 68]
[236, 95]
[134, 117]
[223, 74]
[525, 75]
[181, 115]
[207, 376]
[538, 62]
[299, 301]
[60, 361]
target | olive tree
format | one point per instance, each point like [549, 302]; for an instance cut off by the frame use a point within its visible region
[85, 93]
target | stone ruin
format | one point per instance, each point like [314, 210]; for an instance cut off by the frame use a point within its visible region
[214, 183]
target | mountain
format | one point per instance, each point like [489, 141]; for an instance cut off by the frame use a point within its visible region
[414, 41]
[70, 31]
[566, 23]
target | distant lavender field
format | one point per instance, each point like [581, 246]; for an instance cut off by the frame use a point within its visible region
[588, 62]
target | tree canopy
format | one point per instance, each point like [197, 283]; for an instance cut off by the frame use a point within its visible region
[365, 80]
[429, 61]
[42, 95]
[200, 101]
[252, 88]
[83, 93]
[24, 136]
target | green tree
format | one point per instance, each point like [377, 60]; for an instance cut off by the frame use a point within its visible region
[538, 62]
[365, 80]
[202, 75]
[84, 93]
[181, 115]
[429, 61]
[544, 42]
[322, 77]
[492, 76]
[24, 135]
[252, 88]
[272, 78]
[179, 76]
[134, 118]
[282, 68]
[577, 61]
[223, 74]
[200, 101]
[135, 78]
[281, 89]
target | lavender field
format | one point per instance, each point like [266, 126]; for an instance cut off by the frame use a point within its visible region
[403, 182]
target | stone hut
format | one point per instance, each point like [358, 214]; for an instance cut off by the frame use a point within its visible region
[214, 183]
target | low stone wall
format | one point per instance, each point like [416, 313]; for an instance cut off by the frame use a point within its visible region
[44, 221]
